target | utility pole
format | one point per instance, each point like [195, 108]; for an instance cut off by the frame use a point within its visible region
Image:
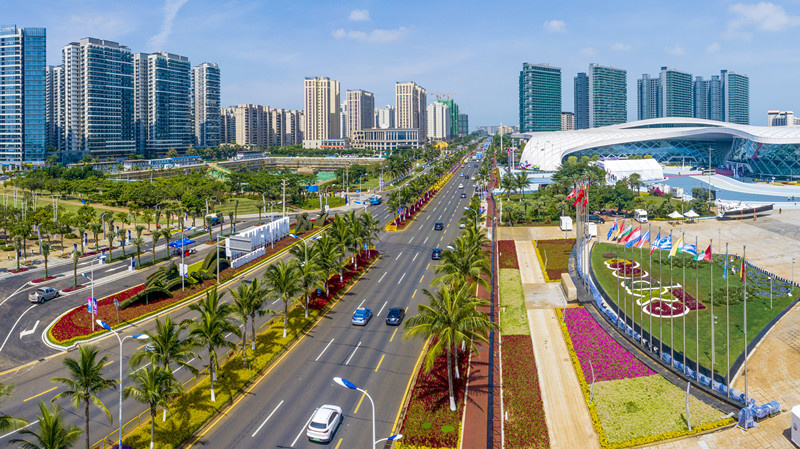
[283, 185]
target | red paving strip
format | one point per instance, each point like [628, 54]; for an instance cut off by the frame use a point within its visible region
[477, 408]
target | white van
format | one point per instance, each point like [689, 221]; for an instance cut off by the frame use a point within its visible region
[640, 215]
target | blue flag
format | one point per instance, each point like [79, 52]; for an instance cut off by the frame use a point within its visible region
[725, 270]
[611, 231]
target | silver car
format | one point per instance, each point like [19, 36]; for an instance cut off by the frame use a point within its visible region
[42, 294]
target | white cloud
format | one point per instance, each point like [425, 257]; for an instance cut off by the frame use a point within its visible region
[171, 8]
[713, 48]
[588, 51]
[102, 25]
[359, 15]
[373, 37]
[621, 47]
[675, 50]
[763, 16]
[555, 26]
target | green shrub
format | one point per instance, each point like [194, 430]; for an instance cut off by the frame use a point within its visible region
[7, 248]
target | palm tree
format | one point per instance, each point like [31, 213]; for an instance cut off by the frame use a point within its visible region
[248, 302]
[18, 242]
[166, 347]
[508, 183]
[7, 423]
[139, 230]
[219, 220]
[283, 279]
[138, 242]
[371, 227]
[167, 236]
[210, 329]
[310, 275]
[121, 236]
[158, 218]
[341, 235]
[96, 229]
[522, 181]
[155, 236]
[155, 386]
[357, 239]
[81, 231]
[51, 433]
[45, 249]
[462, 264]
[451, 317]
[76, 257]
[110, 237]
[85, 383]
[231, 218]
[326, 255]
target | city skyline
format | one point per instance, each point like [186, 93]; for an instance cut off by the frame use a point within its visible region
[369, 46]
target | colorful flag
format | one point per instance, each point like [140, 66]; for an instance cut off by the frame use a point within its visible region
[666, 242]
[725, 270]
[689, 249]
[678, 245]
[705, 255]
[645, 239]
[656, 242]
[573, 193]
[91, 305]
[611, 231]
[633, 237]
[585, 202]
[744, 279]
[624, 234]
[578, 198]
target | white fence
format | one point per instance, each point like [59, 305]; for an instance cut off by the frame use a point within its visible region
[247, 258]
[258, 237]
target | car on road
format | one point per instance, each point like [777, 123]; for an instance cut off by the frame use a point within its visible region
[436, 254]
[461, 226]
[395, 316]
[438, 226]
[361, 316]
[461, 186]
[324, 423]
[596, 219]
[42, 294]
[463, 195]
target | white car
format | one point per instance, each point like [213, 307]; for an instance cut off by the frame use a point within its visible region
[461, 186]
[324, 423]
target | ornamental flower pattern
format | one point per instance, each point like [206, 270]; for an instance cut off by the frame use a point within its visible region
[591, 342]
[687, 299]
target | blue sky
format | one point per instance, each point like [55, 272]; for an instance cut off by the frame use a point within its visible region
[469, 48]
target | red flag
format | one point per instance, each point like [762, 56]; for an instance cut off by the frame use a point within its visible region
[705, 255]
[579, 197]
[585, 202]
[743, 276]
[573, 193]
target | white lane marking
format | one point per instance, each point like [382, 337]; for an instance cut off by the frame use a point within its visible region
[145, 366]
[362, 303]
[304, 428]
[412, 239]
[426, 218]
[401, 279]
[228, 334]
[323, 351]
[274, 302]
[9, 296]
[415, 256]
[434, 209]
[384, 274]
[15, 325]
[354, 353]
[398, 256]
[384, 305]
[15, 431]
[117, 268]
[179, 368]
[29, 331]
[268, 417]
[426, 240]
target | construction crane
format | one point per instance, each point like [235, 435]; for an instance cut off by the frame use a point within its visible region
[444, 95]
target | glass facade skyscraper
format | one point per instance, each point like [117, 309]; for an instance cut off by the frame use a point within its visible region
[205, 104]
[736, 97]
[581, 101]
[22, 95]
[169, 113]
[648, 100]
[539, 98]
[608, 96]
[675, 93]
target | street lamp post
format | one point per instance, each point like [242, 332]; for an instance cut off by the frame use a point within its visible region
[140, 337]
[347, 384]
[476, 216]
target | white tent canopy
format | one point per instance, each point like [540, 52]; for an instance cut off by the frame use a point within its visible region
[616, 169]
[691, 214]
[675, 215]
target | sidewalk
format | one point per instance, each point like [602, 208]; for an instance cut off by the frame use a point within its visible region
[567, 417]
[475, 418]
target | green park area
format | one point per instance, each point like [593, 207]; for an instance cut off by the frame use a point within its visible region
[667, 296]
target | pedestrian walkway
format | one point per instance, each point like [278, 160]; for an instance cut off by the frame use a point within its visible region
[520, 233]
[567, 416]
[529, 268]
[476, 410]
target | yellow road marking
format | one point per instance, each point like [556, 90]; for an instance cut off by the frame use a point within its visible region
[36, 396]
[109, 363]
[140, 347]
[441, 238]
[414, 294]
[429, 265]
[379, 362]
[395, 331]
[406, 308]
[338, 444]
[359, 402]
[408, 386]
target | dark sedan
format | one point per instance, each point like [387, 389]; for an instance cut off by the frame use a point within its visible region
[395, 316]
[436, 254]
[438, 226]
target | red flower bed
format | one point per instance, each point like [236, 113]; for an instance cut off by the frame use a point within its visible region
[663, 308]
[618, 265]
[40, 280]
[317, 302]
[526, 426]
[414, 210]
[687, 299]
[72, 289]
[21, 270]
[630, 271]
[508, 254]
[79, 322]
[428, 421]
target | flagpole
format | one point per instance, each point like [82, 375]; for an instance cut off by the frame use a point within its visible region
[744, 276]
[683, 299]
[660, 311]
[650, 272]
[711, 259]
[671, 316]
[641, 280]
[697, 311]
[727, 327]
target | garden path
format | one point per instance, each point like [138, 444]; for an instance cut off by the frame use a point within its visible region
[529, 269]
[568, 420]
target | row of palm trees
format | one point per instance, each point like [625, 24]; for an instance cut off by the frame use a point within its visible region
[452, 316]
[153, 383]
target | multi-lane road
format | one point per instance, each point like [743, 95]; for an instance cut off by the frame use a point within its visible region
[375, 356]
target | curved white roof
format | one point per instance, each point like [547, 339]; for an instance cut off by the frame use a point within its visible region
[547, 149]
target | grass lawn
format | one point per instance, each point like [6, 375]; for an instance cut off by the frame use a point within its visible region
[513, 318]
[555, 254]
[246, 206]
[645, 406]
[759, 312]
[313, 203]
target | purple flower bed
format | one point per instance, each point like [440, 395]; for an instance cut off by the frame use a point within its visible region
[610, 360]
[687, 299]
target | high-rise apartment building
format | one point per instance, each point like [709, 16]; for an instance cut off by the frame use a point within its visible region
[782, 118]
[463, 124]
[735, 97]
[205, 104]
[140, 102]
[228, 125]
[567, 121]
[360, 110]
[169, 110]
[51, 107]
[707, 98]
[23, 102]
[539, 98]
[321, 111]
[648, 100]
[252, 125]
[385, 117]
[410, 102]
[581, 101]
[608, 96]
[438, 116]
[97, 100]
[453, 115]
[676, 93]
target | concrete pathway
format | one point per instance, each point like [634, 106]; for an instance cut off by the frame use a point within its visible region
[568, 420]
[529, 268]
